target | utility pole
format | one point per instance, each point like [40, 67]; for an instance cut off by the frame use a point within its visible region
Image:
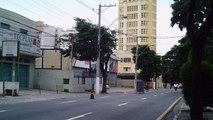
[97, 82]
[136, 66]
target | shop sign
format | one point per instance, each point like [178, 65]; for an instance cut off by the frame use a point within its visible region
[28, 44]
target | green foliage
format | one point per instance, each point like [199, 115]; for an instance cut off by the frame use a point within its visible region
[86, 44]
[179, 14]
[174, 59]
[206, 84]
[148, 62]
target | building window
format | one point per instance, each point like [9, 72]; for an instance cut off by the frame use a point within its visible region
[83, 80]
[144, 15]
[144, 23]
[132, 16]
[144, 39]
[23, 31]
[121, 25]
[143, 31]
[131, 39]
[144, 7]
[5, 26]
[125, 59]
[126, 69]
[132, 24]
[121, 40]
[66, 81]
[132, 8]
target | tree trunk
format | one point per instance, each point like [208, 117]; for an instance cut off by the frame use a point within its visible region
[104, 90]
[104, 73]
[196, 106]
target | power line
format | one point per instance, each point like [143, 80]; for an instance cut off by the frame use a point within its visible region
[24, 8]
[157, 37]
[39, 7]
[53, 9]
[58, 8]
[89, 7]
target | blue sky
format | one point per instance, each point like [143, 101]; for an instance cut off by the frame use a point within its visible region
[61, 13]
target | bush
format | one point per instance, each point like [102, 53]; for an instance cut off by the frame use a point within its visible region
[206, 84]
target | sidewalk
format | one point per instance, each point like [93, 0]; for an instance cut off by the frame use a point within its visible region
[31, 95]
[181, 111]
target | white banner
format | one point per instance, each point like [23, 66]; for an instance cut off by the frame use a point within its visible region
[28, 45]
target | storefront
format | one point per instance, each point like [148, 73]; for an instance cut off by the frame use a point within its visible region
[17, 61]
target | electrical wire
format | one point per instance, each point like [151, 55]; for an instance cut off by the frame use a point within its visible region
[24, 8]
[51, 9]
[59, 9]
[90, 8]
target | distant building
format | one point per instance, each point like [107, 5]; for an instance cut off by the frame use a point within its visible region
[16, 28]
[50, 35]
[139, 26]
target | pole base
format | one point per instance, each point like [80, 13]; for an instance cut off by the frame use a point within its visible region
[92, 95]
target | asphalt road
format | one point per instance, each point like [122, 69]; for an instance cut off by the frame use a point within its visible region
[115, 106]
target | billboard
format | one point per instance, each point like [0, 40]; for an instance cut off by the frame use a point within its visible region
[29, 45]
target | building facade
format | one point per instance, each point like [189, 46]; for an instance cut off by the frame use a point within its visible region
[137, 25]
[19, 46]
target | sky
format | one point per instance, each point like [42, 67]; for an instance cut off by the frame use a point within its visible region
[61, 13]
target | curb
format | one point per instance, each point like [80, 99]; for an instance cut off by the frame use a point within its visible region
[165, 113]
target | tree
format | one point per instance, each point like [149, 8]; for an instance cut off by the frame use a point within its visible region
[174, 59]
[148, 63]
[85, 46]
[196, 16]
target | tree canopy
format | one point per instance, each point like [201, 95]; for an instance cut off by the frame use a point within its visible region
[85, 45]
[196, 16]
[148, 62]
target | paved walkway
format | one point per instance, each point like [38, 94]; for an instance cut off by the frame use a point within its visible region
[31, 95]
[181, 111]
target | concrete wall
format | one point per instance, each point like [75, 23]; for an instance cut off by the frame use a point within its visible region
[127, 83]
[53, 79]
[9, 86]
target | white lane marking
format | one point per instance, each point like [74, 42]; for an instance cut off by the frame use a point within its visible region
[1, 111]
[122, 104]
[155, 95]
[104, 97]
[143, 98]
[80, 116]
[68, 102]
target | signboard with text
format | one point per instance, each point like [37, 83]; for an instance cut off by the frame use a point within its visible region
[28, 44]
[10, 48]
